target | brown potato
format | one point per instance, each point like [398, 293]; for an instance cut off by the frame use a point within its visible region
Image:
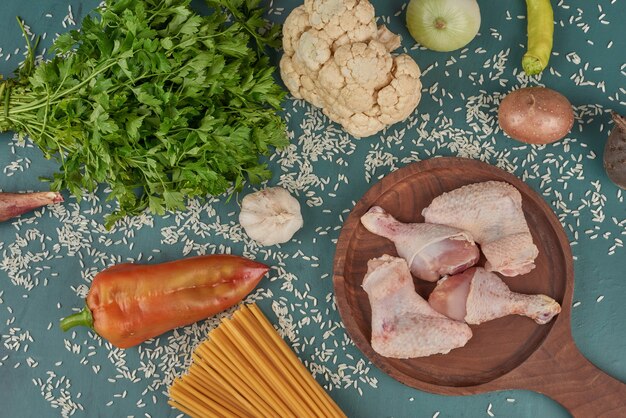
[615, 152]
[536, 115]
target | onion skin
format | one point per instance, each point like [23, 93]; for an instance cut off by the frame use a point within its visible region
[536, 115]
[443, 25]
[615, 152]
[15, 204]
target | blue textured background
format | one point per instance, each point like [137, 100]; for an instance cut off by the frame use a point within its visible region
[44, 274]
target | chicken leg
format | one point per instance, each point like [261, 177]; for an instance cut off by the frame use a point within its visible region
[477, 295]
[403, 324]
[492, 212]
[431, 251]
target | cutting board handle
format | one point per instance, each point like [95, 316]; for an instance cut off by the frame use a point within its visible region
[565, 375]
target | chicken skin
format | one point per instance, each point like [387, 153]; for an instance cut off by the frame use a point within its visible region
[477, 295]
[403, 324]
[492, 213]
[431, 251]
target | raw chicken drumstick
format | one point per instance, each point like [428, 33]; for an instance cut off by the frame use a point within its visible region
[403, 324]
[430, 250]
[477, 295]
[492, 213]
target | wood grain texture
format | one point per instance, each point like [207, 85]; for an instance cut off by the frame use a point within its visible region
[508, 353]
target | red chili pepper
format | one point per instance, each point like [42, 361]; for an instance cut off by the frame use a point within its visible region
[131, 303]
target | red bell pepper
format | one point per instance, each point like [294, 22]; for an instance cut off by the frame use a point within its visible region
[130, 303]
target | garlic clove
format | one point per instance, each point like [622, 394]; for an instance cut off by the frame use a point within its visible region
[270, 216]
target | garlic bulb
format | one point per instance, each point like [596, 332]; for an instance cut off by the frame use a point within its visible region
[270, 216]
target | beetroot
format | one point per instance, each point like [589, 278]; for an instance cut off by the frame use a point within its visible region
[615, 152]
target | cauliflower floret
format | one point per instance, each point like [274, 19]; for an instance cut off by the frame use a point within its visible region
[313, 49]
[363, 64]
[331, 78]
[295, 25]
[323, 12]
[388, 38]
[337, 59]
[401, 96]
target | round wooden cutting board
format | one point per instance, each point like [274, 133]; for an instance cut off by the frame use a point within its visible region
[507, 353]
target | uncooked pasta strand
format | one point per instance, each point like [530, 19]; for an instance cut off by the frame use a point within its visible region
[206, 390]
[200, 379]
[265, 340]
[214, 404]
[279, 362]
[303, 371]
[246, 370]
[246, 385]
[273, 394]
[192, 403]
[230, 390]
[181, 407]
[270, 375]
[235, 382]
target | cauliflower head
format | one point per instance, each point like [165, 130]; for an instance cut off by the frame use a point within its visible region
[337, 59]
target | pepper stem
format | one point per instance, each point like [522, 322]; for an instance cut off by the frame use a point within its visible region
[82, 318]
[532, 65]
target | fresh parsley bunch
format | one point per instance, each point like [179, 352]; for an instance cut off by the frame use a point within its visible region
[154, 99]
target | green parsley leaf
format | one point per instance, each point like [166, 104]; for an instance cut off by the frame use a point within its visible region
[160, 103]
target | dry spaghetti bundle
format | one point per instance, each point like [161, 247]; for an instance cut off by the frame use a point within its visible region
[245, 369]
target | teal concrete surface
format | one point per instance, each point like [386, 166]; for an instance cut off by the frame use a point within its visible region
[47, 258]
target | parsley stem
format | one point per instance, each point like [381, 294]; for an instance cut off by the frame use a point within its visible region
[53, 100]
